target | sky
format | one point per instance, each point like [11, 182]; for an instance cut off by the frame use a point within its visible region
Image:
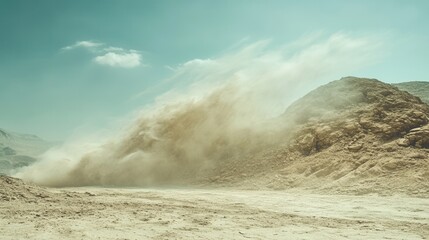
[70, 66]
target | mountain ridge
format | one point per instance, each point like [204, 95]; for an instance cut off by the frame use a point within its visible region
[19, 149]
[417, 88]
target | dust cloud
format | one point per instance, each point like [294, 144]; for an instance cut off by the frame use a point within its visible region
[219, 109]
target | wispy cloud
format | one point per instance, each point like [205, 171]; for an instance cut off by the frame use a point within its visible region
[83, 44]
[307, 62]
[119, 59]
[109, 55]
[267, 71]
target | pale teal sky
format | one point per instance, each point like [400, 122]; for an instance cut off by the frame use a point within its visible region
[58, 70]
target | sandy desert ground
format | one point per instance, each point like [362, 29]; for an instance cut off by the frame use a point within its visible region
[113, 213]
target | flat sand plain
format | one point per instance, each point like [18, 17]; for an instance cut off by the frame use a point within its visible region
[118, 213]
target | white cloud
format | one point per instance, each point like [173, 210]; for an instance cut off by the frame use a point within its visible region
[83, 44]
[119, 59]
[109, 55]
[198, 62]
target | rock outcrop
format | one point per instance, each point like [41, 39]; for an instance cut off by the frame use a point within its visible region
[417, 137]
[350, 110]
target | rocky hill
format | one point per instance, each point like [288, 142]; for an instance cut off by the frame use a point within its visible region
[17, 150]
[353, 136]
[417, 88]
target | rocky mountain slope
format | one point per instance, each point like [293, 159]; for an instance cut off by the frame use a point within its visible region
[353, 136]
[17, 150]
[417, 88]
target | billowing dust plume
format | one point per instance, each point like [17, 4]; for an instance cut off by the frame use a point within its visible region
[220, 109]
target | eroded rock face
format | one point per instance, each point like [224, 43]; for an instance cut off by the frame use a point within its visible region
[349, 110]
[418, 137]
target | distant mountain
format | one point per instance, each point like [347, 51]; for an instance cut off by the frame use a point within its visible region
[18, 150]
[417, 88]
